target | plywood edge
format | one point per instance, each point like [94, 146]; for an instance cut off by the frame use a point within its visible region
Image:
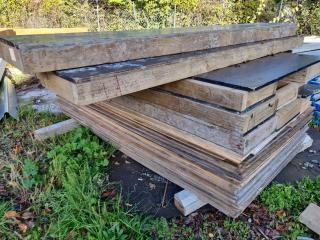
[60, 86]
[287, 112]
[286, 93]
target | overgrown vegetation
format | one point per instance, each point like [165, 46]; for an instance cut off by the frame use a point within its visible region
[137, 14]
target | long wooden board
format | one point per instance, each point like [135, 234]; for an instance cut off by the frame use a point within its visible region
[87, 85]
[304, 75]
[227, 97]
[240, 122]
[230, 139]
[43, 53]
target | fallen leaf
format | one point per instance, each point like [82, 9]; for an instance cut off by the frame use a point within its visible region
[11, 214]
[23, 227]
[109, 194]
[152, 186]
[18, 148]
[281, 213]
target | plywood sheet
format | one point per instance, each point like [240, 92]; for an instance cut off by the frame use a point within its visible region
[260, 72]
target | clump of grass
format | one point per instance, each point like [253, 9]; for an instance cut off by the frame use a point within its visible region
[292, 198]
[287, 201]
[77, 166]
[237, 229]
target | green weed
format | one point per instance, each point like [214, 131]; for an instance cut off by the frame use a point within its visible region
[30, 175]
[236, 229]
[293, 198]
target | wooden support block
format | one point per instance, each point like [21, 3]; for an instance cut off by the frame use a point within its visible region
[305, 75]
[227, 97]
[311, 218]
[55, 129]
[305, 103]
[187, 202]
[43, 53]
[287, 112]
[88, 85]
[240, 122]
[286, 93]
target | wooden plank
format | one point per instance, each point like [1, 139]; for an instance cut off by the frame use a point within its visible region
[305, 103]
[187, 202]
[311, 218]
[305, 75]
[260, 72]
[286, 93]
[227, 97]
[43, 53]
[310, 43]
[178, 170]
[102, 82]
[55, 129]
[287, 112]
[235, 141]
[240, 122]
[192, 141]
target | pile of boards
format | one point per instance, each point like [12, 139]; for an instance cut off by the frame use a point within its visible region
[213, 109]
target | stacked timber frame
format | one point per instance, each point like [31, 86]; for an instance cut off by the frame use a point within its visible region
[214, 109]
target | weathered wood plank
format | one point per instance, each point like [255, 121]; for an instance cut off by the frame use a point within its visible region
[97, 83]
[286, 93]
[305, 75]
[235, 141]
[305, 103]
[311, 217]
[227, 97]
[43, 53]
[185, 173]
[55, 129]
[240, 122]
[287, 112]
[187, 202]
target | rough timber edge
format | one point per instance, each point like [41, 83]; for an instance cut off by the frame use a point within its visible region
[111, 85]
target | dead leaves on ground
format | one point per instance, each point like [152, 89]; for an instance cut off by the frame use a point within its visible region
[22, 221]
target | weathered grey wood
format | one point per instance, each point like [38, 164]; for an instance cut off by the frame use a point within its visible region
[240, 122]
[311, 217]
[287, 112]
[286, 94]
[235, 141]
[87, 85]
[55, 129]
[187, 202]
[43, 53]
[188, 174]
[305, 75]
[305, 103]
[227, 97]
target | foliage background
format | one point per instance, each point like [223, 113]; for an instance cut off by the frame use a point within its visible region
[138, 14]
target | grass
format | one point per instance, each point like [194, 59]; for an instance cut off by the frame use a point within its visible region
[53, 190]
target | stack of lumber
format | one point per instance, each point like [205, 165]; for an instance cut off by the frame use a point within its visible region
[214, 109]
